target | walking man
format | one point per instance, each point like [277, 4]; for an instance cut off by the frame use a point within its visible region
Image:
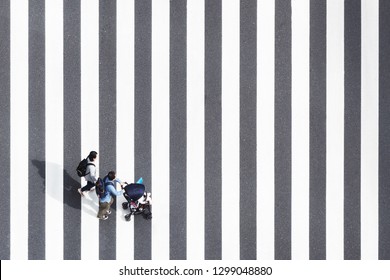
[106, 193]
[90, 173]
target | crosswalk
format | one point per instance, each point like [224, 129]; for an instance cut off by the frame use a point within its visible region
[260, 127]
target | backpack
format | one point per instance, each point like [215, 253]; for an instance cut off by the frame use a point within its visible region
[82, 167]
[100, 187]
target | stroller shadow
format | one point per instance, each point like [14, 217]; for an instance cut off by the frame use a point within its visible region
[67, 192]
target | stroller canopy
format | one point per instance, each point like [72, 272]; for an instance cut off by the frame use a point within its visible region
[135, 191]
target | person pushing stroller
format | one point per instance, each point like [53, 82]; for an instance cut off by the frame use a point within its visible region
[105, 190]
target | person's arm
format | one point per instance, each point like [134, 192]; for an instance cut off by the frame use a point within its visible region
[113, 191]
[92, 173]
[119, 181]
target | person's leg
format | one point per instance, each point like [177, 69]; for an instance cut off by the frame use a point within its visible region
[111, 201]
[88, 187]
[108, 210]
[103, 207]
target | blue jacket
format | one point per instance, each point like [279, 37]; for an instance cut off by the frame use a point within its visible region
[110, 190]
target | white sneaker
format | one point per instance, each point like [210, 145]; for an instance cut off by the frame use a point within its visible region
[108, 212]
[105, 217]
[80, 192]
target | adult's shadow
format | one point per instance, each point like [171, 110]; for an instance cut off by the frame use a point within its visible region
[67, 191]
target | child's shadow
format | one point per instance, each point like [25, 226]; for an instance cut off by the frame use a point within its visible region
[68, 191]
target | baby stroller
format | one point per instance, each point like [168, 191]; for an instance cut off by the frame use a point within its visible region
[138, 201]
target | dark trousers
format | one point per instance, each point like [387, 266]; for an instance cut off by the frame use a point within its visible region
[88, 187]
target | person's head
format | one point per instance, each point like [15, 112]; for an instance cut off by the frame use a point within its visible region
[92, 156]
[111, 175]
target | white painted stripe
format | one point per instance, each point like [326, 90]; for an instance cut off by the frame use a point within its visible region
[370, 130]
[265, 129]
[230, 129]
[300, 129]
[19, 130]
[54, 130]
[195, 130]
[335, 131]
[89, 121]
[125, 122]
[160, 129]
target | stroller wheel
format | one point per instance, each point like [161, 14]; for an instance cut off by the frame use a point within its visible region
[125, 205]
[128, 217]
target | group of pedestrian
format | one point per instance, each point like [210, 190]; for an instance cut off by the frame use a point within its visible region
[105, 188]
